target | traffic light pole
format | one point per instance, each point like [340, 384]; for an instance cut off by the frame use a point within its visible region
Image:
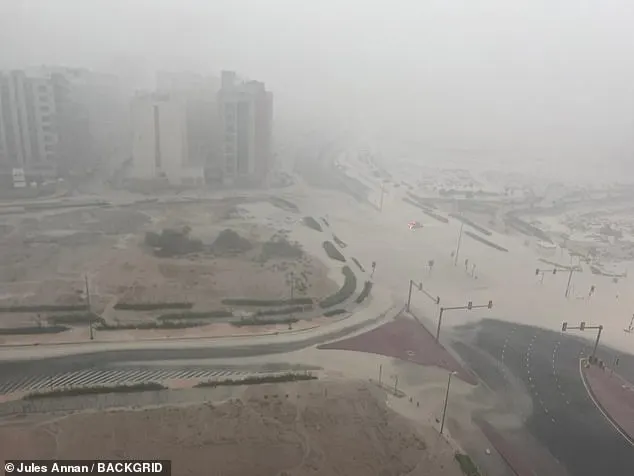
[468, 307]
[572, 270]
[455, 263]
[419, 286]
[583, 327]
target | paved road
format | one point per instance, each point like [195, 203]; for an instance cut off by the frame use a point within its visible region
[564, 418]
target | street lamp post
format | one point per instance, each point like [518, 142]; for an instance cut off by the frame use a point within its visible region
[444, 409]
[88, 308]
[455, 263]
[468, 307]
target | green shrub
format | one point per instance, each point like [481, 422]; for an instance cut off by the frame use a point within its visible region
[80, 318]
[97, 390]
[303, 301]
[365, 292]
[284, 310]
[150, 325]
[356, 261]
[151, 306]
[340, 243]
[334, 312]
[18, 331]
[195, 315]
[347, 290]
[310, 222]
[255, 321]
[467, 465]
[486, 242]
[332, 252]
[45, 308]
[288, 377]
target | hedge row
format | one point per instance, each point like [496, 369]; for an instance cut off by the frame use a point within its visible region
[45, 308]
[284, 310]
[426, 211]
[304, 301]
[332, 252]
[255, 321]
[288, 377]
[310, 222]
[367, 287]
[486, 242]
[80, 318]
[195, 315]
[97, 390]
[18, 331]
[466, 221]
[348, 288]
[152, 306]
[356, 261]
[334, 312]
[339, 242]
[150, 325]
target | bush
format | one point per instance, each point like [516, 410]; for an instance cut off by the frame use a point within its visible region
[332, 252]
[284, 310]
[486, 242]
[467, 465]
[347, 290]
[288, 377]
[97, 390]
[356, 261]
[195, 315]
[228, 241]
[45, 308]
[334, 312]
[255, 321]
[281, 248]
[82, 318]
[18, 331]
[338, 241]
[151, 306]
[303, 301]
[310, 222]
[149, 325]
[284, 204]
[365, 292]
[173, 242]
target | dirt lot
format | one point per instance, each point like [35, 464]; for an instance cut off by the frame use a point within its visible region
[44, 257]
[306, 428]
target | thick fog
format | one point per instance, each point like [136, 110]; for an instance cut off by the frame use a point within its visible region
[515, 80]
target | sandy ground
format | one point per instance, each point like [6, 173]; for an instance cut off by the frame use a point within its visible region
[45, 256]
[292, 429]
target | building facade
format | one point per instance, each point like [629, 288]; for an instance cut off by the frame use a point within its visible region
[160, 140]
[28, 133]
[246, 117]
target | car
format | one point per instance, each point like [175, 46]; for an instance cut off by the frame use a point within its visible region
[414, 225]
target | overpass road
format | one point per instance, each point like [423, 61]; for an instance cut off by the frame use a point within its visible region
[564, 418]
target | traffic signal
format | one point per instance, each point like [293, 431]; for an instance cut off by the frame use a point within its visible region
[555, 271]
[437, 299]
[469, 305]
[537, 272]
[582, 326]
[490, 305]
[564, 326]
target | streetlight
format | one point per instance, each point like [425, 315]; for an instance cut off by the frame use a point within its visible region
[90, 316]
[455, 263]
[444, 410]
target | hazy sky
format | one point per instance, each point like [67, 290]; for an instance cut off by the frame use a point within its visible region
[551, 76]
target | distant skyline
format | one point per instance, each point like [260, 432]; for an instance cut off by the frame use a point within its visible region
[554, 76]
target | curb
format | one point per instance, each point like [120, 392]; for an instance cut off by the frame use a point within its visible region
[603, 411]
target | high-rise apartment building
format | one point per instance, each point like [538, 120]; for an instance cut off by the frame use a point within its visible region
[246, 113]
[160, 140]
[28, 135]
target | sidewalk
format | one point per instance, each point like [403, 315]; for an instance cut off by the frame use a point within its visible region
[614, 396]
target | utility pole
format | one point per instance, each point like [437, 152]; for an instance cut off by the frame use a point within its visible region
[382, 192]
[380, 373]
[582, 327]
[90, 317]
[419, 286]
[572, 270]
[444, 410]
[630, 328]
[455, 263]
[292, 284]
[468, 307]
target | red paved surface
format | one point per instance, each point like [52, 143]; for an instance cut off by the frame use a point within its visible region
[404, 339]
[615, 395]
